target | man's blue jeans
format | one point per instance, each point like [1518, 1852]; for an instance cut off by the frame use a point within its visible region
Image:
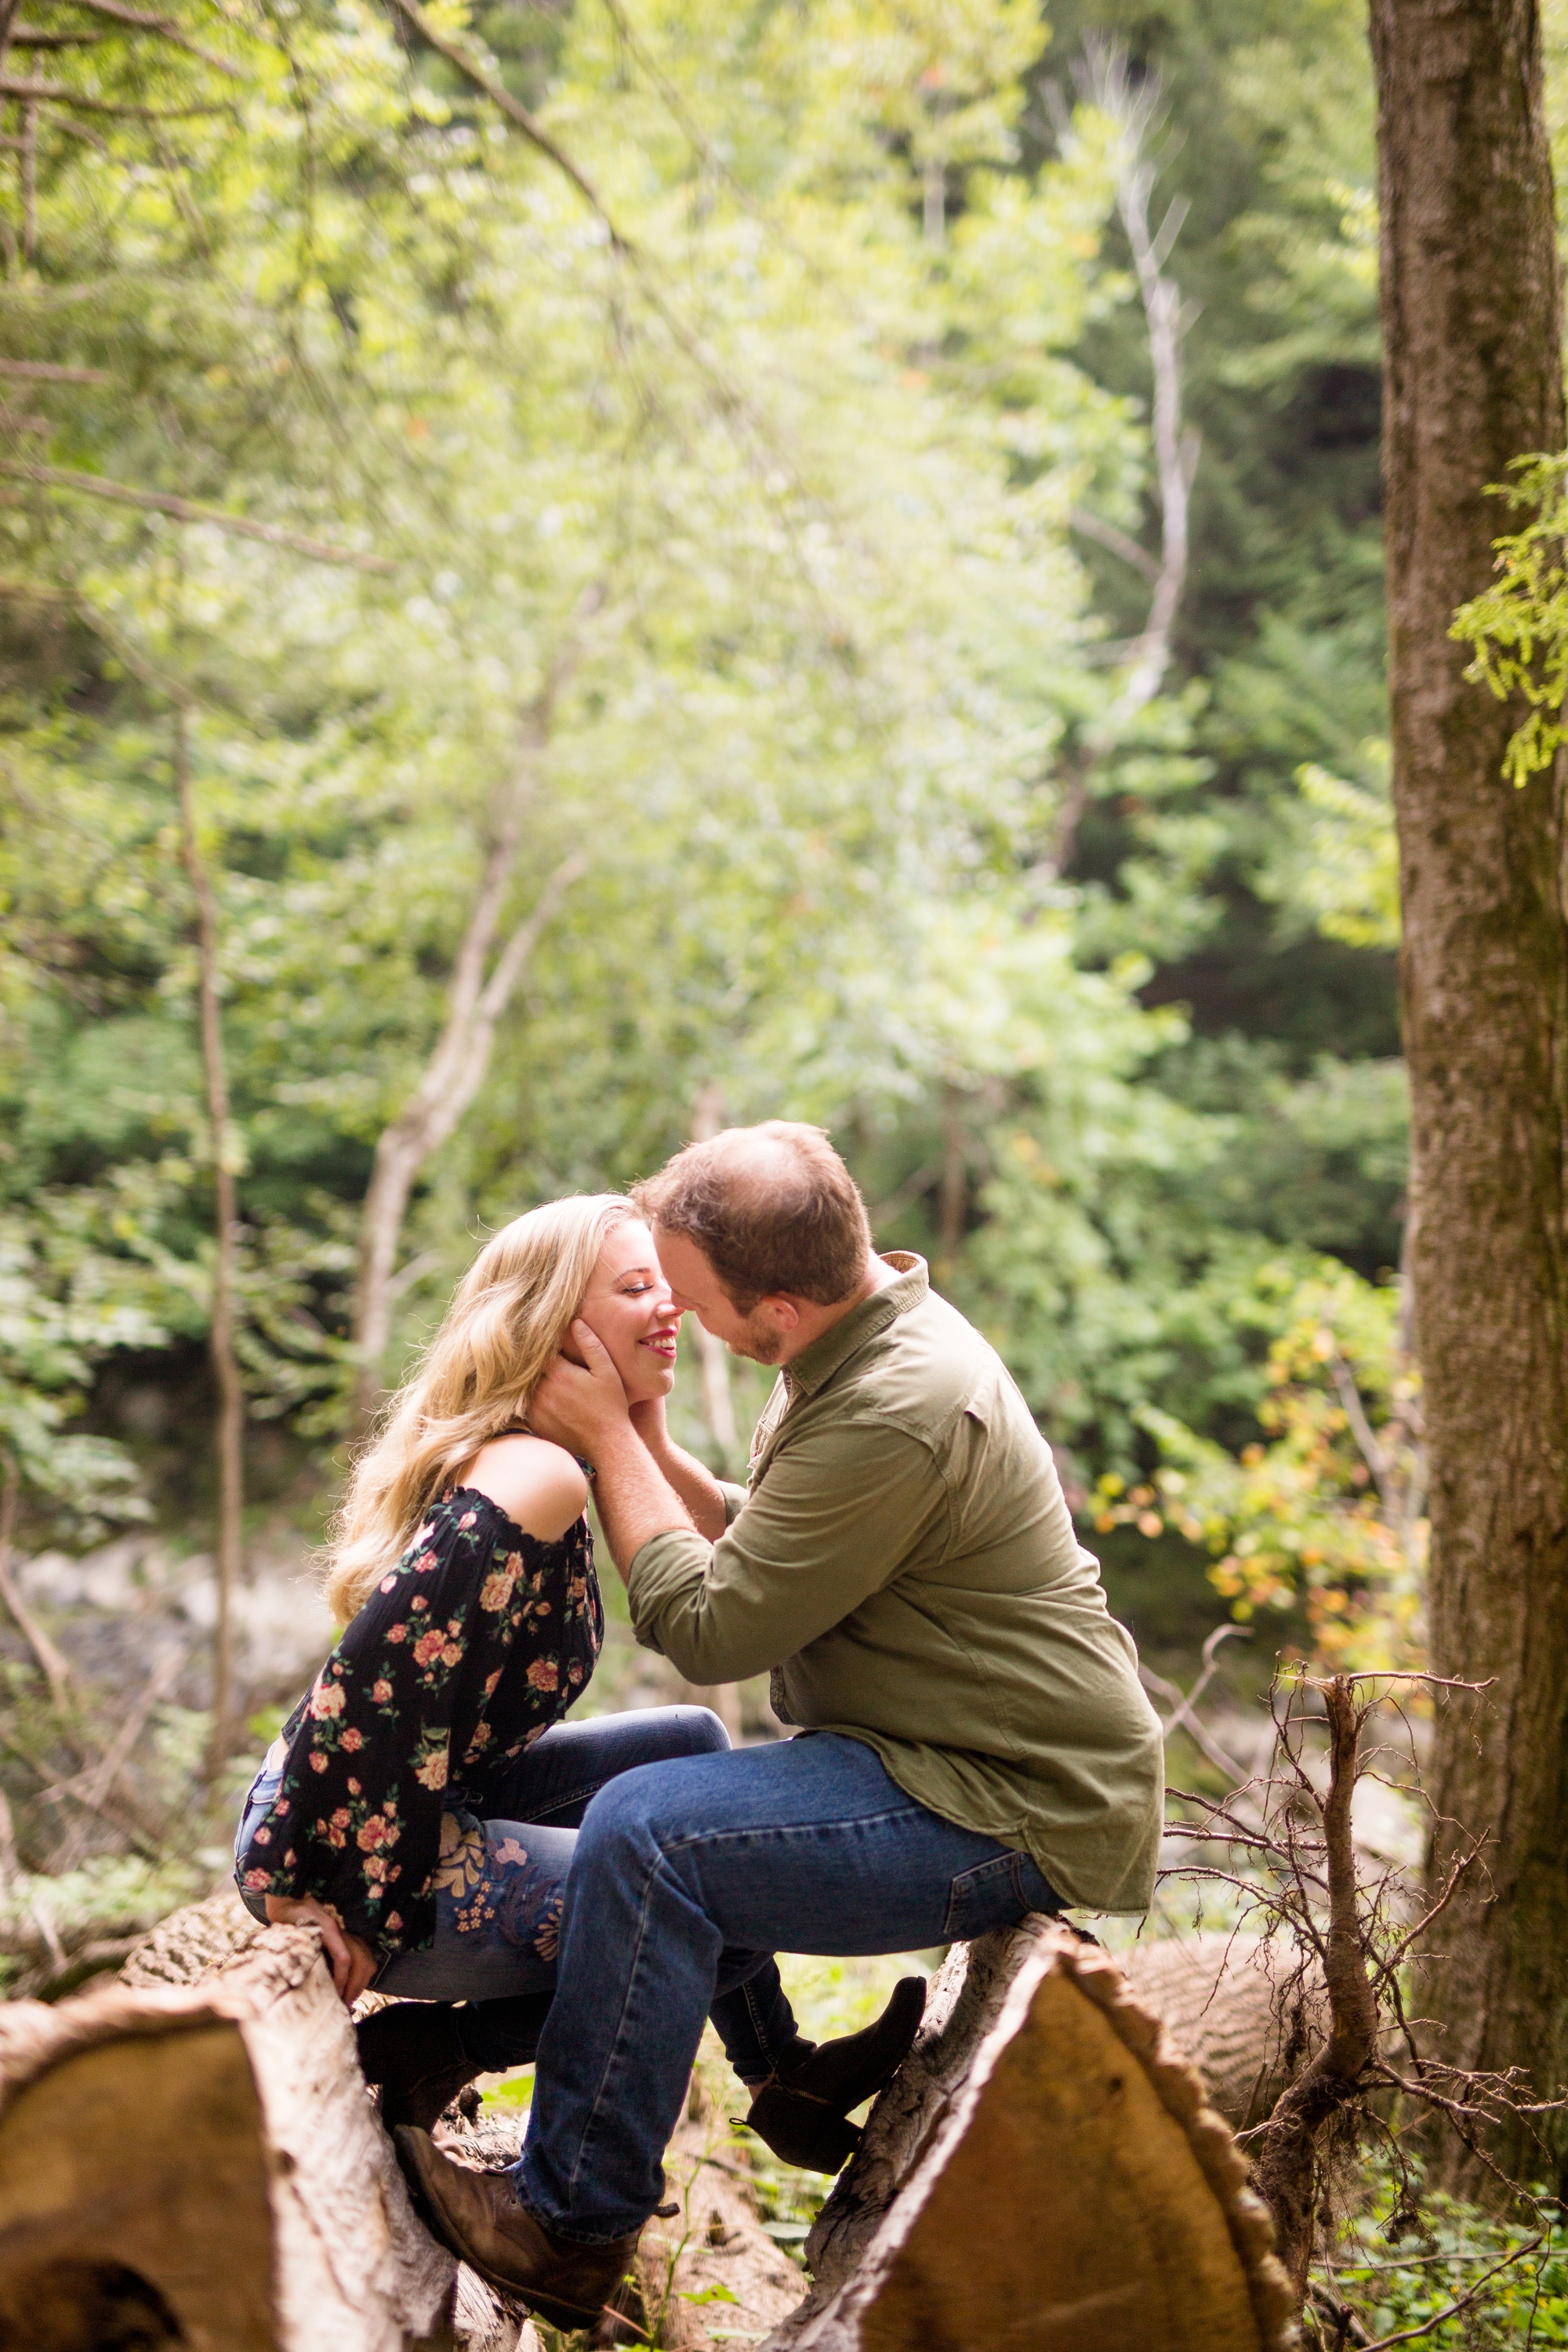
[681, 1870]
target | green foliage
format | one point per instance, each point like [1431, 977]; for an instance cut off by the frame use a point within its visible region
[1326, 1510]
[1410, 2254]
[1518, 626]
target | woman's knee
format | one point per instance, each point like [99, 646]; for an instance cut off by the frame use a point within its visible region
[698, 1731]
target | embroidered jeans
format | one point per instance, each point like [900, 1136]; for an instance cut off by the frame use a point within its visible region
[500, 1882]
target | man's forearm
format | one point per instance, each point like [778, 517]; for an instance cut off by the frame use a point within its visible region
[635, 1499]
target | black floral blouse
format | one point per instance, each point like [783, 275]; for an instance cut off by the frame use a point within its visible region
[475, 1643]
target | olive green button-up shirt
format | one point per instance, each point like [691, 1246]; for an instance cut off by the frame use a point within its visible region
[904, 1562]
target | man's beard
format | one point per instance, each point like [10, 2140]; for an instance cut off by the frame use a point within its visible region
[759, 1343]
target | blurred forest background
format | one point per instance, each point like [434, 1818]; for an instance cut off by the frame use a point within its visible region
[575, 570]
[595, 572]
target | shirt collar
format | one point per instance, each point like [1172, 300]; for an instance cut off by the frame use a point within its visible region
[816, 1365]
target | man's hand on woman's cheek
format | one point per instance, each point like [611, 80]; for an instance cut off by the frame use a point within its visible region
[578, 1405]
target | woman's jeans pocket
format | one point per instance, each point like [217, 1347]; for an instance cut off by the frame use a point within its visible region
[996, 1894]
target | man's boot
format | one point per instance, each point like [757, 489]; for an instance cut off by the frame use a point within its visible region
[477, 2216]
[801, 2111]
[413, 2049]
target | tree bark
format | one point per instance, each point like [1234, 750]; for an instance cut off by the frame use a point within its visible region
[1042, 2170]
[1471, 316]
[200, 2164]
[475, 1003]
[226, 1218]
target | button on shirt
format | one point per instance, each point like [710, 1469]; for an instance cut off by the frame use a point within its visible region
[903, 1560]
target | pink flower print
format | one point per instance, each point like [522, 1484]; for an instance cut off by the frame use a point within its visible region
[326, 1700]
[374, 1868]
[282, 1807]
[352, 1737]
[452, 1655]
[336, 1839]
[573, 1671]
[496, 1590]
[509, 1851]
[354, 1788]
[257, 1881]
[341, 1818]
[394, 1922]
[544, 1675]
[381, 1692]
[467, 1520]
[418, 1604]
[432, 1773]
[387, 1582]
[398, 1633]
[263, 1836]
[490, 1682]
[374, 1833]
[318, 1761]
[429, 1645]
[425, 1562]
[426, 1532]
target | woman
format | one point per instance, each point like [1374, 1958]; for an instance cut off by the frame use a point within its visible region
[421, 1804]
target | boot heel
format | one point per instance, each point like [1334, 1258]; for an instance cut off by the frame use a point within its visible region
[802, 2131]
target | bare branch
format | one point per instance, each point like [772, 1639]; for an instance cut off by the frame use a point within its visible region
[164, 26]
[1104, 80]
[1118, 542]
[51, 1664]
[45, 372]
[92, 486]
[532, 129]
[59, 93]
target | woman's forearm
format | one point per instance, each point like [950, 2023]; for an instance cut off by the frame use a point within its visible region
[695, 1484]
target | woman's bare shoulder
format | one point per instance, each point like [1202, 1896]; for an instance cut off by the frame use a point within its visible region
[538, 1484]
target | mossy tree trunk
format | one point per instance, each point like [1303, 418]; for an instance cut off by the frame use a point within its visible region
[1472, 325]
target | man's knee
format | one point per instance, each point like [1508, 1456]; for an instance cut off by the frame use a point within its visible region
[637, 1814]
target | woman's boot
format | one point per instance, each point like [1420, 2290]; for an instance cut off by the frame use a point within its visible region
[413, 2049]
[801, 2111]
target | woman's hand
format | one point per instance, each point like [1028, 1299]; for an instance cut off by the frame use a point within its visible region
[352, 1961]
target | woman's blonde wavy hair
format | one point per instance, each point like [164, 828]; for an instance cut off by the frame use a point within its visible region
[506, 1324]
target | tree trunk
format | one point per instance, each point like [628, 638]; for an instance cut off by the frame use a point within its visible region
[475, 1003]
[1042, 2170]
[200, 2164]
[225, 1219]
[1472, 326]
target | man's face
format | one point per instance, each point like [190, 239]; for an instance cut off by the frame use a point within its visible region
[763, 1335]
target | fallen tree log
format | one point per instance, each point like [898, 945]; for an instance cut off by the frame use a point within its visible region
[1124, 2219]
[1246, 2011]
[199, 2164]
[1043, 2171]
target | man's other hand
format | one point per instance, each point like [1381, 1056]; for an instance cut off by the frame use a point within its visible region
[580, 1406]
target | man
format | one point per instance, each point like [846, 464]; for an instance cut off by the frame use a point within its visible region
[978, 1747]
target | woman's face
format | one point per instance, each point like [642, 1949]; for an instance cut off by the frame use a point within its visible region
[628, 1307]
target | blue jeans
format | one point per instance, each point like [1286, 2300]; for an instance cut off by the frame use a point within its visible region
[681, 1870]
[501, 1879]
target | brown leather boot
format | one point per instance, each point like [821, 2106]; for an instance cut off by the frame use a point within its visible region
[801, 2111]
[476, 2215]
[414, 2052]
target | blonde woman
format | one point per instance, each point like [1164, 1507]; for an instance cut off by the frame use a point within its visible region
[421, 1805]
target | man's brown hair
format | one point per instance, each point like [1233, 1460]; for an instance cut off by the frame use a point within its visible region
[771, 1208]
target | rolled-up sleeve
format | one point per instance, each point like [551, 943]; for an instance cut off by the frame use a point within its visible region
[833, 1519]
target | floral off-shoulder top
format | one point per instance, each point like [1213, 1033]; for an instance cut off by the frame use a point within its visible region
[476, 1643]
